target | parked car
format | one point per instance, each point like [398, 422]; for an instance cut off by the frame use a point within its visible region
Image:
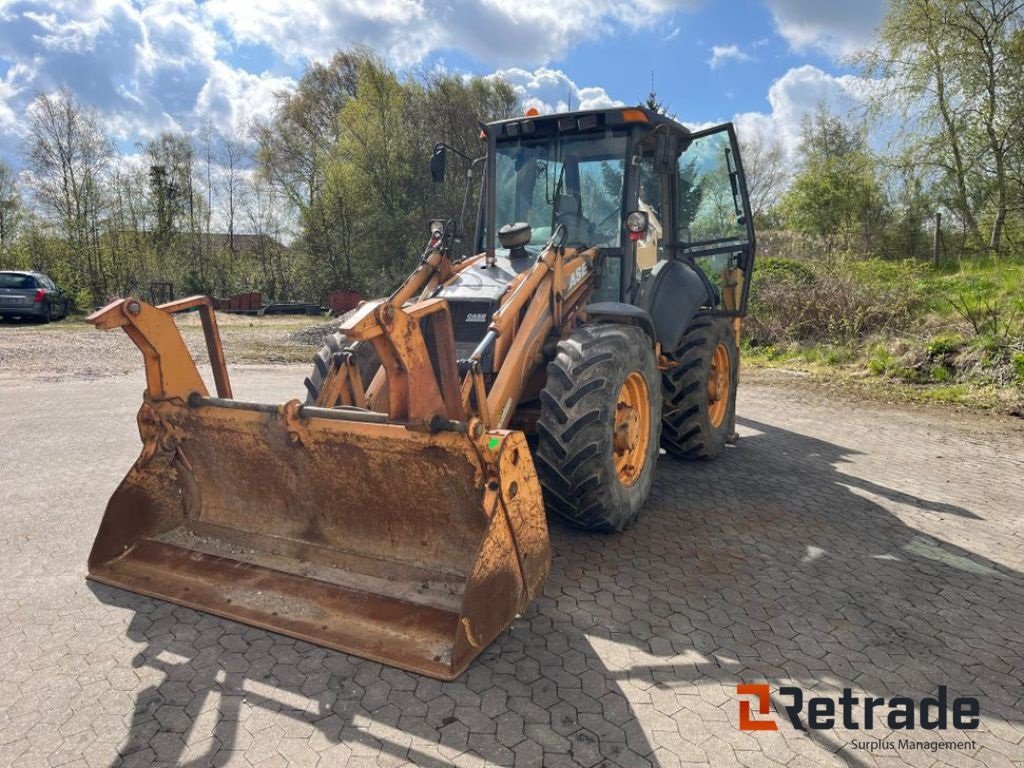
[31, 295]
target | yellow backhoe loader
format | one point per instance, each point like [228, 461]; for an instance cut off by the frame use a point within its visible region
[535, 365]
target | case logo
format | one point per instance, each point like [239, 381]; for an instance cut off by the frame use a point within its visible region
[576, 277]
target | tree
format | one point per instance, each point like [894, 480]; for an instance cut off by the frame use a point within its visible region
[10, 209]
[294, 145]
[953, 68]
[764, 168]
[124, 244]
[366, 226]
[294, 149]
[653, 103]
[179, 210]
[264, 212]
[68, 156]
[232, 154]
[836, 194]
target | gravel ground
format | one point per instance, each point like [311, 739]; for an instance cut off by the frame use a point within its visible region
[315, 335]
[72, 349]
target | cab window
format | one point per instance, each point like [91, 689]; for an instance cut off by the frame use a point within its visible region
[708, 208]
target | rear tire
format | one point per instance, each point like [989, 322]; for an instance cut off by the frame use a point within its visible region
[329, 357]
[700, 392]
[597, 436]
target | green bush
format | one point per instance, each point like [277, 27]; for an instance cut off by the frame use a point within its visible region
[1018, 366]
[774, 269]
[795, 301]
[880, 360]
[945, 344]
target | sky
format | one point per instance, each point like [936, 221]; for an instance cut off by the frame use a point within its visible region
[147, 67]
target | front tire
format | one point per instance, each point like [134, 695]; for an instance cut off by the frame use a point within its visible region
[597, 436]
[700, 390]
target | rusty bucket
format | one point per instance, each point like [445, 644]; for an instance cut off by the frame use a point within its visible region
[412, 548]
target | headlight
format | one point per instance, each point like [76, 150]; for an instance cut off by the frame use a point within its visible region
[636, 224]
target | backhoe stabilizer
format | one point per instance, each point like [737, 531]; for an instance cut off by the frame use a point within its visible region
[337, 526]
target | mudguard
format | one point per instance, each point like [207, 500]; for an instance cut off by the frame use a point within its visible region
[672, 295]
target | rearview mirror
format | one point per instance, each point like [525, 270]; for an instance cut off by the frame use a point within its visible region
[438, 163]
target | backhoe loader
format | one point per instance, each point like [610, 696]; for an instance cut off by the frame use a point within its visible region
[539, 363]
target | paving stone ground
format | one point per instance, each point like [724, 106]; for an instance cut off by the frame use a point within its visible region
[837, 545]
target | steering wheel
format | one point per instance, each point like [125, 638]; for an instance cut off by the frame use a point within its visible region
[606, 219]
[598, 229]
[574, 224]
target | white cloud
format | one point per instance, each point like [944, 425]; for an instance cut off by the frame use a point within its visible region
[797, 95]
[499, 32]
[720, 54]
[837, 28]
[144, 69]
[549, 90]
[233, 98]
[162, 65]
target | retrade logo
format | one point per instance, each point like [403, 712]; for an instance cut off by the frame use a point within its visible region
[747, 723]
[855, 713]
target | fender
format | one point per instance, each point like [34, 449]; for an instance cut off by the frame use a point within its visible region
[672, 295]
[621, 314]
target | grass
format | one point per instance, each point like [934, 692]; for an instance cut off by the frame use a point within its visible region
[951, 335]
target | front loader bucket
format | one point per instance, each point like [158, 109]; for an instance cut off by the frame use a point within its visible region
[412, 548]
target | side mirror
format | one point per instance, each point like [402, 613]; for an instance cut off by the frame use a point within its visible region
[439, 163]
[664, 153]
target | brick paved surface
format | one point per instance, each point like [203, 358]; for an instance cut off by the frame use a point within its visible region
[835, 546]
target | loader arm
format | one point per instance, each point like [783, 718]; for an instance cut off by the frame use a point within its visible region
[548, 298]
[425, 389]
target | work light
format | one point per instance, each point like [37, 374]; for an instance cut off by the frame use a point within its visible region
[636, 224]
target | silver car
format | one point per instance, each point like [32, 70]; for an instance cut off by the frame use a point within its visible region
[31, 295]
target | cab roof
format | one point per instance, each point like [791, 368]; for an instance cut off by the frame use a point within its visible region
[582, 121]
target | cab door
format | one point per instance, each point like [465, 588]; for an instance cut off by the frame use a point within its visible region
[712, 226]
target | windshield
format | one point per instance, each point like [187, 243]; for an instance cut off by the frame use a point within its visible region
[576, 181]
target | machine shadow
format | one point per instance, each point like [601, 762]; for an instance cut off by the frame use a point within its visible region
[768, 565]
[773, 565]
[265, 682]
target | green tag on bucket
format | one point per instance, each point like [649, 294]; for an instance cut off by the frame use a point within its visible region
[493, 443]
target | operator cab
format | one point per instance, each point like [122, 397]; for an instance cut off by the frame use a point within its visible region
[666, 209]
[589, 170]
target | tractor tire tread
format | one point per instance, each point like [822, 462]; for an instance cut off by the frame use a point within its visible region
[687, 431]
[574, 456]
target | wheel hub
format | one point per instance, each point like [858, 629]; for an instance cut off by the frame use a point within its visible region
[631, 432]
[719, 385]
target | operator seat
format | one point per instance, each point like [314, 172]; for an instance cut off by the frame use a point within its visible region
[570, 213]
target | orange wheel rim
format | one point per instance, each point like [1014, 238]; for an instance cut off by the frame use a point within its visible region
[719, 385]
[632, 431]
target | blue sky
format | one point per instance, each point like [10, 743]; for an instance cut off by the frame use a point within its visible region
[173, 64]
